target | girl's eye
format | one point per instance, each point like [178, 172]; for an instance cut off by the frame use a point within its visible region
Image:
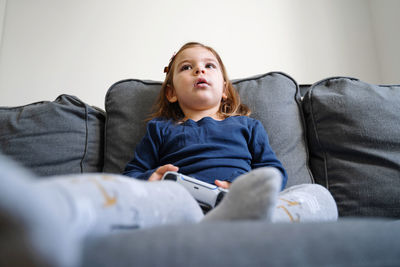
[210, 66]
[186, 67]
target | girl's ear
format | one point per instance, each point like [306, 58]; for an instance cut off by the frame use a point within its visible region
[225, 92]
[170, 94]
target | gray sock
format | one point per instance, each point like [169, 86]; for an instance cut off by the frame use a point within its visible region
[251, 196]
[44, 233]
[305, 203]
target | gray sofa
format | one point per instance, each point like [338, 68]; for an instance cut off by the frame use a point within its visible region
[340, 132]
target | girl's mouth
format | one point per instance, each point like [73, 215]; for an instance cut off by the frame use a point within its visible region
[201, 83]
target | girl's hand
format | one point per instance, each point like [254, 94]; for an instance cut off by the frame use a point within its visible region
[158, 174]
[222, 184]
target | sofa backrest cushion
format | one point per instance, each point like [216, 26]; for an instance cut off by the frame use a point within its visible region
[50, 138]
[354, 140]
[273, 97]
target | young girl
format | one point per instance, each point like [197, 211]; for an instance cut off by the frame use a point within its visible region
[200, 129]
[201, 126]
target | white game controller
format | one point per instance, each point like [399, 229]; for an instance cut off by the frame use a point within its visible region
[208, 195]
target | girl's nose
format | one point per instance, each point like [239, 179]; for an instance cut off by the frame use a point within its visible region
[199, 70]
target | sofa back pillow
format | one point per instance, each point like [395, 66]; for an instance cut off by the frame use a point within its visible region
[354, 139]
[272, 97]
[51, 138]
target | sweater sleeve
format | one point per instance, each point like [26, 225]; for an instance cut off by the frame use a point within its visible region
[262, 153]
[146, 158]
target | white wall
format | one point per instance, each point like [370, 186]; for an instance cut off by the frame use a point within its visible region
[386, 23]
[82, 47]
[2, 18]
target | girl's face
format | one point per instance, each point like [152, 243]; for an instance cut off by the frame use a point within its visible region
[197, 83]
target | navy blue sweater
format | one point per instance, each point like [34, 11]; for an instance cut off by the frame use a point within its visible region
[207, 149]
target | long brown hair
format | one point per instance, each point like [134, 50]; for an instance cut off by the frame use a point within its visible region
[231, 106]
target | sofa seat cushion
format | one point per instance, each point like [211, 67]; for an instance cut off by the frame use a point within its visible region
[251, 243]
[273, 97]
[50, 138]
[354, 140]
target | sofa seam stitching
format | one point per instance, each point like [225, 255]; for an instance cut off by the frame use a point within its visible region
[86, 139]
[317, 137]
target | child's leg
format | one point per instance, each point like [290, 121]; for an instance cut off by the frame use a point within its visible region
[103, 203]
[305, 203]
[255, 196]
[57, 213]
[252, 196]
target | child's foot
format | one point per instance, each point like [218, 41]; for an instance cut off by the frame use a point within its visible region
[30, 212]
[252, 196]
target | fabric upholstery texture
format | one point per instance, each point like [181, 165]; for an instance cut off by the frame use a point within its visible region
[354, 141]
[251, 243]
[273, 97]
[51, 138]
